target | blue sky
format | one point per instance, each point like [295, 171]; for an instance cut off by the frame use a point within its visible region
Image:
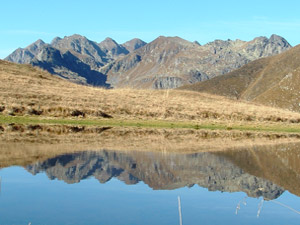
[23, 22]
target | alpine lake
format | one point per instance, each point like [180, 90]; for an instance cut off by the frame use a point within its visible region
[77, 175]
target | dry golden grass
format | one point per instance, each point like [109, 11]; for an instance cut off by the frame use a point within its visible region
[25, 90]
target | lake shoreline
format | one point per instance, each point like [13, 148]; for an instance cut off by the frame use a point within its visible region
[205, 124]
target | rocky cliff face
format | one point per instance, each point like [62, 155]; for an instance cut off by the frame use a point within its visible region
[159, 171]
[170, 62]
[166, 62]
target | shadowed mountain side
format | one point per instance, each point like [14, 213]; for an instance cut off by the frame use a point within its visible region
[159, 171]
[278, 163]
[55, 62]
[272, 81]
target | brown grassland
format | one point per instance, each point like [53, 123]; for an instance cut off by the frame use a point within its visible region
[31, 92]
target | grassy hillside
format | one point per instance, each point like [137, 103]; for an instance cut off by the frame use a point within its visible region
[272, 81]
[31, 92]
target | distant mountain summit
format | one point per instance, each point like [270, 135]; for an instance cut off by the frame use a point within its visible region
[166, 62]
[112, 48]
[133, 44]
[25, 55]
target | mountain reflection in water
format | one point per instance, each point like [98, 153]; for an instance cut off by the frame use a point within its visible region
[223, 171]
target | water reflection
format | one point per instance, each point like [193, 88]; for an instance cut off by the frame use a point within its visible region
[230, 171]
[225, 177]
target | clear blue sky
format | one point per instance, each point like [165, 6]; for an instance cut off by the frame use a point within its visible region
[23, 22]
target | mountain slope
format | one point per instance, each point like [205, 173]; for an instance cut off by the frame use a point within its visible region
[170, 62]
[272, 81]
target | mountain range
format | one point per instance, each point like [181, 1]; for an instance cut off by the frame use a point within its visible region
[166, 62]
[74, 57]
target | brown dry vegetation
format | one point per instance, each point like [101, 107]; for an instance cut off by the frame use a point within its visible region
[25, 90]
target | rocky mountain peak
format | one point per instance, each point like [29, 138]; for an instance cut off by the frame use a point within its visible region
[108, 44]
[112, 48]
[25, 55]
[263, 46]
[279, 41]
[55, 40]
[134, 44]
[39, 42]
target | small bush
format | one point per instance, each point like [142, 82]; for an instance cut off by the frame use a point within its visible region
[77, 113]
[103, 115]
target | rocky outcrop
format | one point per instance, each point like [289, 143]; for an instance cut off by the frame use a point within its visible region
[159, 171]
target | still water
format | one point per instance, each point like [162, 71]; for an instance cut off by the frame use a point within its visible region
[114, 187]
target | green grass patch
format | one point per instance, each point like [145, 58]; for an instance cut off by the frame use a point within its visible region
[147, 123]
